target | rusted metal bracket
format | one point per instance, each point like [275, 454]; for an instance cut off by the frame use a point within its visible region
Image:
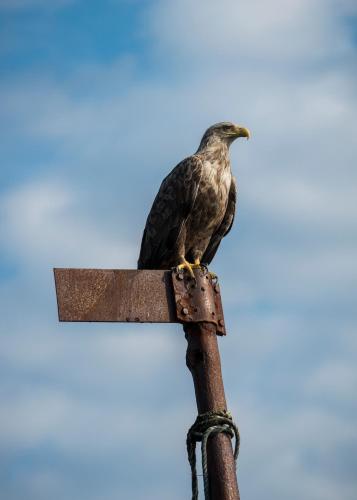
[198, 300]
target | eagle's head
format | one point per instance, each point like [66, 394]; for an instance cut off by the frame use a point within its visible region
[225, 132]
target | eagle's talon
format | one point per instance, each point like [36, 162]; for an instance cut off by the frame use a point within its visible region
[189, 267]
[204, 268]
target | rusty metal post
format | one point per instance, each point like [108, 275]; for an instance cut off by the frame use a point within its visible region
[199, 307]
[204, 363]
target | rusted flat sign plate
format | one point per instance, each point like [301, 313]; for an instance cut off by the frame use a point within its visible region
[115, 295]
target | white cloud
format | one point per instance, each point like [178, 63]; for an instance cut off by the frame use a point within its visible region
[44, 223]
[336, 379]
[292, 451]
[303, 201]
[231, 30]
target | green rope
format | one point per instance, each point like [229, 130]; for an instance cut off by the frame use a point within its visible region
[206, 425]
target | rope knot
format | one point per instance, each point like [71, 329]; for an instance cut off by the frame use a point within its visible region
[207, 424]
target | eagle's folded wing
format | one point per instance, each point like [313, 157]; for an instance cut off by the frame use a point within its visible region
[167, 217]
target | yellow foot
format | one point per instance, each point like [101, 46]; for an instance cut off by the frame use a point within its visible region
[196, 264]
[186, 265]
[203, 267]
[190, 267]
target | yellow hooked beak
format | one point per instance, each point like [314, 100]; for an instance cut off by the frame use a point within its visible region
[242, 132]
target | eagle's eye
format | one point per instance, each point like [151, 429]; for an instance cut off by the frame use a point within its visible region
[226, 128]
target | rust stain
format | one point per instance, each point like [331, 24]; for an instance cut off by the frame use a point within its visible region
[198, 300]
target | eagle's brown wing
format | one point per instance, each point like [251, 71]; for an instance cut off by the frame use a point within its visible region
[225, 226]
[167, 217]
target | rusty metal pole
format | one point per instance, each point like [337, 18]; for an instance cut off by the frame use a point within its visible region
[203, 361]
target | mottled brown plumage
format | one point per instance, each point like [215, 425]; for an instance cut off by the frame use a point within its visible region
[194, 208]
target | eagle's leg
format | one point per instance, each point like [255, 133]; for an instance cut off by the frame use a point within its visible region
[198, 265]
[186, 265]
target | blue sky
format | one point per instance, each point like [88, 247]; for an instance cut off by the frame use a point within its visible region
[99, 100]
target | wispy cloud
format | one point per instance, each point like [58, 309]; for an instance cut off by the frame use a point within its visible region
[44, 225]
[231, 31]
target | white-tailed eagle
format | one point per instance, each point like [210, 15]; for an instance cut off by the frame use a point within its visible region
[194, 208]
